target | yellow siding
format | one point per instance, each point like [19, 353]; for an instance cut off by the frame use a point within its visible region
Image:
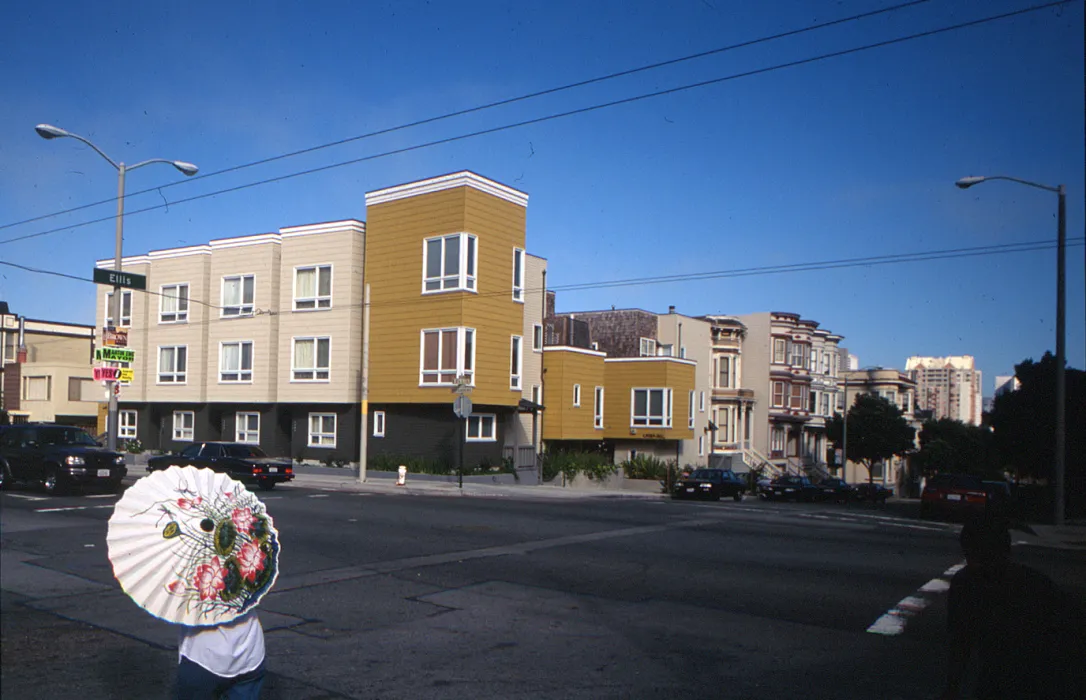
[622, 377]
[563, 420]
[394, 248]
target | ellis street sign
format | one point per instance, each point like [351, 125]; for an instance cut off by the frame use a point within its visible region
[119, 279]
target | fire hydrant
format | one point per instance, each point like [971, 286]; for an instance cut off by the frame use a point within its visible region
[401, 480]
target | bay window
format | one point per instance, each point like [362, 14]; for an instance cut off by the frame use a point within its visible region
[448, 263]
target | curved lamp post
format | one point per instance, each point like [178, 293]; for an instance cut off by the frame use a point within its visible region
[1061, 323]
[48, 132]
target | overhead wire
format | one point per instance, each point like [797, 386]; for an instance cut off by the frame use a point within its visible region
[568, 113]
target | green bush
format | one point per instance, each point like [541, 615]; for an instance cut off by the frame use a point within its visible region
[415, 465]
[132, 446]
[593, 465]
[646, 467]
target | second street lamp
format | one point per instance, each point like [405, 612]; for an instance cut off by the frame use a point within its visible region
[48, 132]
[1061, 326]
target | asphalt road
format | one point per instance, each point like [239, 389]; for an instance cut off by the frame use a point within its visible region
[393, 596]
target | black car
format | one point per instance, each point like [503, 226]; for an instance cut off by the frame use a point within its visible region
[874, 493]
[712, 484]
[834, 489]
[238, 460]
[790, 488]
[58, 457]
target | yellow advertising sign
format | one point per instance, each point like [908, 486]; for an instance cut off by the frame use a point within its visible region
[127, 374]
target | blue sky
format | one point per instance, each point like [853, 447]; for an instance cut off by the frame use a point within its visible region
[849, 157]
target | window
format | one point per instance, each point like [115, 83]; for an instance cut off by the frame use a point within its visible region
[448, 263]
[537, 337]
[724, 425]
[37, 388]
[797, 355]
[10, 351]
[812, 404]
[778, 394]
[701, 402]
[172, 363]
[724, 372]
[237, 296]
[825, 404]
[174, 304]
[75, 388]
[651, 408]
[701, 446]
[518, 275]
[447, 353]
[776, 440]
[515, 362]
[690, 412]
[825, 363]
[311, 359]
[312, 288]
[797, 401]
[576, 395]
[648, 347]
[537, 394]
[663, 350]
[247, 428]
[597, 410]
[378, 424]
[126, 309]
[236, 361]
[905, 403]
[480, 428]
[126, 425]
[779, 350]
[183, 422]
[322, 430]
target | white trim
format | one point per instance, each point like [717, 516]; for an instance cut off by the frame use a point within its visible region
[379, 424]
[122, 428]
[173, 427]
[162, 300]
[317, 298]
[344, 226]
[690, 417]
[650, 359]
[493, 418]
[170, 253]
[669, 408]
[576, 395]
[309, 430]
[516, 374]
[241, 305]
[463, 178]
[242, 241]
[315, 368]
[597, 408]
[522, 269]
[570, 348]
[463, 278]
[132, 260]
[184, 373]
[538, 327]
[461, 339]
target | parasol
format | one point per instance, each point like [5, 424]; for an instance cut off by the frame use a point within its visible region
[193, 546]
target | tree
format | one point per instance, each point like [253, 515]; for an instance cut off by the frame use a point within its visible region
[877, 431]
[950, 445]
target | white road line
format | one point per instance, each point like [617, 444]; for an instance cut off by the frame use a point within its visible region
[101, 495]
[28, 498]
[68, 508]
[318, 495]
[893, 621]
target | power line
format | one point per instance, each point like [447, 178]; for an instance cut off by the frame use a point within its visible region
[561, 115]
[490, 105]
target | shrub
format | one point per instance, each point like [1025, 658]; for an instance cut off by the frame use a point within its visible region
[646, 467]
[132, 446]
[593, 465]
[415, 465]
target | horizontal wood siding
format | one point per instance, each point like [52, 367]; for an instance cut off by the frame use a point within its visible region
[563, 420]
[623, 377]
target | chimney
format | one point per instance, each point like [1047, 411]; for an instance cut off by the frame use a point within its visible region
[671, 309]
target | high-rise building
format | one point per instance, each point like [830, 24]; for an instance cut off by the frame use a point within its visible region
[949, 387]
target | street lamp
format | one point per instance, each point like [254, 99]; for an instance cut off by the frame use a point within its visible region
[49, 132]
[1061, 321]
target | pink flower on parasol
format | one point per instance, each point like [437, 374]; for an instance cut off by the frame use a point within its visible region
[243, 520]
[250, 560]
[176, 587]
[210, 579]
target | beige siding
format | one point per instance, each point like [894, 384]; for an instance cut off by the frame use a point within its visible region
[58, 404]
[695, 336]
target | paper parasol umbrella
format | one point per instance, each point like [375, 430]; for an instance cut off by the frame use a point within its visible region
[193, 546]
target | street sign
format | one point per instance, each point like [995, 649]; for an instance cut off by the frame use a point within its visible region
[462, 406]
[106, 374]
[114, 355]
[462, 388]
[119, 279]
[127, 374]
[115, 337]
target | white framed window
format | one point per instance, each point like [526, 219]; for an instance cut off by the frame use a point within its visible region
[448, 263]
[518, 275]
[126, 309]
[780, 351]
[724, 372]
[690, 412]
[778, 394]
[236, 362]
[183, 425]
[650, 408]
[797, 355]
[576, 395]
[322, 430]
[378, 424]
[826, 404]
[597, 410]
[701, 446]
[724, 425]
[310, 360]
[238, 296]
[11, 340]
[37, 388]
[648, 347]
[174, 303]
[516, 361]
[172, 364]
[905, 402]
[537, 337]
[445, 354]
[247, 427]
[776, 439]
[665, 350]
[312, 287]
[537, 394]
[701, 402]
[481, 428]
[798, 401]
[126, 425]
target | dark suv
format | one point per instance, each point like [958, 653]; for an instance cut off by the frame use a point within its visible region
[58, 457]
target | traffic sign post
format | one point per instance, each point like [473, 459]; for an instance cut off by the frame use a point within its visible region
[462, 409]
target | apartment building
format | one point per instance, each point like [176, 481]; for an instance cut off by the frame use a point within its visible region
[898, 388]
[949, 387]
[731, 403]
[259, 339]
[793, 368]
[46, 371]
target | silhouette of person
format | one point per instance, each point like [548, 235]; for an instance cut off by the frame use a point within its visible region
[1027, 633]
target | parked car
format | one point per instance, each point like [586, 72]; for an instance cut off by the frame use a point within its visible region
[790, 488]
[953, 494]
[58, 457]
[874, 493]
[834, 489]
[246, 463]
[712, 484]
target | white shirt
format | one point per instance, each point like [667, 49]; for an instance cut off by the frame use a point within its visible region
[226, 650]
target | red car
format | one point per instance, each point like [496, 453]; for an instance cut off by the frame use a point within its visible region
[953, 493]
